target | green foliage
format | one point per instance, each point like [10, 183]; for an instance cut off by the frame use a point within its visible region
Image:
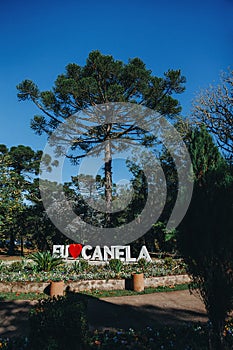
[97, 293]
[45, 261]
[143, 263]
[18, 165]
[189, 336]
[102, 80]
[80, 266]
[116, 265]
[11, 198]
[66, 272]
[205, 155]
[205, 235]
[15, 266]
[59, 323]
[22, 296]
[182, 337]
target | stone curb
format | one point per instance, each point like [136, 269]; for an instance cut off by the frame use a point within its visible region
[82, 285]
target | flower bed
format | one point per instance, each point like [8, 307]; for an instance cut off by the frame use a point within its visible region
[27, 271]
[83, 285]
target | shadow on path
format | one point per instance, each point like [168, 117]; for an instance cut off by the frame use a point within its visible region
[137, 312]
[14, 317]
[173, 308]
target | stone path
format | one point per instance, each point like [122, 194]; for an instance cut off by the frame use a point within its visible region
[117, 312]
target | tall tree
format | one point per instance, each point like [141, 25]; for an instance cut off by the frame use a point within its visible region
[214, 108]
[205, 235]
[18, 188]
[102, 80]
[11, 188]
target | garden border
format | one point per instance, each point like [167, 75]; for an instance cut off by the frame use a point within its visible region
[84, 285]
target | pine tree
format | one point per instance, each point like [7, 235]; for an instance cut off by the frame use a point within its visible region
[102, 80]
[205, 235]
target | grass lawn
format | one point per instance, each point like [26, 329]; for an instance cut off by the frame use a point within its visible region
[94, 293]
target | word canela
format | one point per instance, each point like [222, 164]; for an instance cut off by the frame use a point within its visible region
[97, 253]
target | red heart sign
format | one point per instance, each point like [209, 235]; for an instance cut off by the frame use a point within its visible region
[75, 250]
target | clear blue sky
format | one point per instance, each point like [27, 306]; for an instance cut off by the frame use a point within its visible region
[39, 38]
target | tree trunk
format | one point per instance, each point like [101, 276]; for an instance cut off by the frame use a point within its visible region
[216, 341]
[11, 250]
[108, 176]
[21, 246]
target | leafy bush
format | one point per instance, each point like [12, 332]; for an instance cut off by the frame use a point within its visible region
[45, 261]
[143, 263]
[15, 266]
[116, 265]
[80, 266]
[58, 323]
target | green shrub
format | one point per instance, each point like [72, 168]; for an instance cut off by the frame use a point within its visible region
[59, 323]
[143, 263]
[80, 266]
[15, 266]
[169, 262]
[45, 261]
[116, 265]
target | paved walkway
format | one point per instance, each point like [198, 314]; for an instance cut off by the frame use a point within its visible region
[116, 312]
[139, 311]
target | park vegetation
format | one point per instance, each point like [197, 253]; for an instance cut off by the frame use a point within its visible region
[203, 239]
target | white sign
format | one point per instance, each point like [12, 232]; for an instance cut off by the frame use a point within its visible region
[122, 253]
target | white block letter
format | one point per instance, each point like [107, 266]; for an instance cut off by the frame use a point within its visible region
[128, 254]
[119, 254]
[108, 253]
[144, 254]
[84, 249]
[58, 250]
[97, 254]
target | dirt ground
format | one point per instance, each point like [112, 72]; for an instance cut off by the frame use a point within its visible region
[4, 256]
[137, 312]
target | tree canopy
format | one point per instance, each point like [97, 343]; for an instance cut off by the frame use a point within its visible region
[205, 234]
[102, 80]
[214, 108]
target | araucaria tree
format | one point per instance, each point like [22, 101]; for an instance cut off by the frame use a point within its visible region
[102, 80]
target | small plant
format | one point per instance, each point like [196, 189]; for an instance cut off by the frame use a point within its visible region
[15, 266]
[170, 263]
[116, 265]
[143, 263]
[45, 261]
[80, 266]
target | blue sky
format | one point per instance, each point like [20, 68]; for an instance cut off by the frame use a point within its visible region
[39, 38]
